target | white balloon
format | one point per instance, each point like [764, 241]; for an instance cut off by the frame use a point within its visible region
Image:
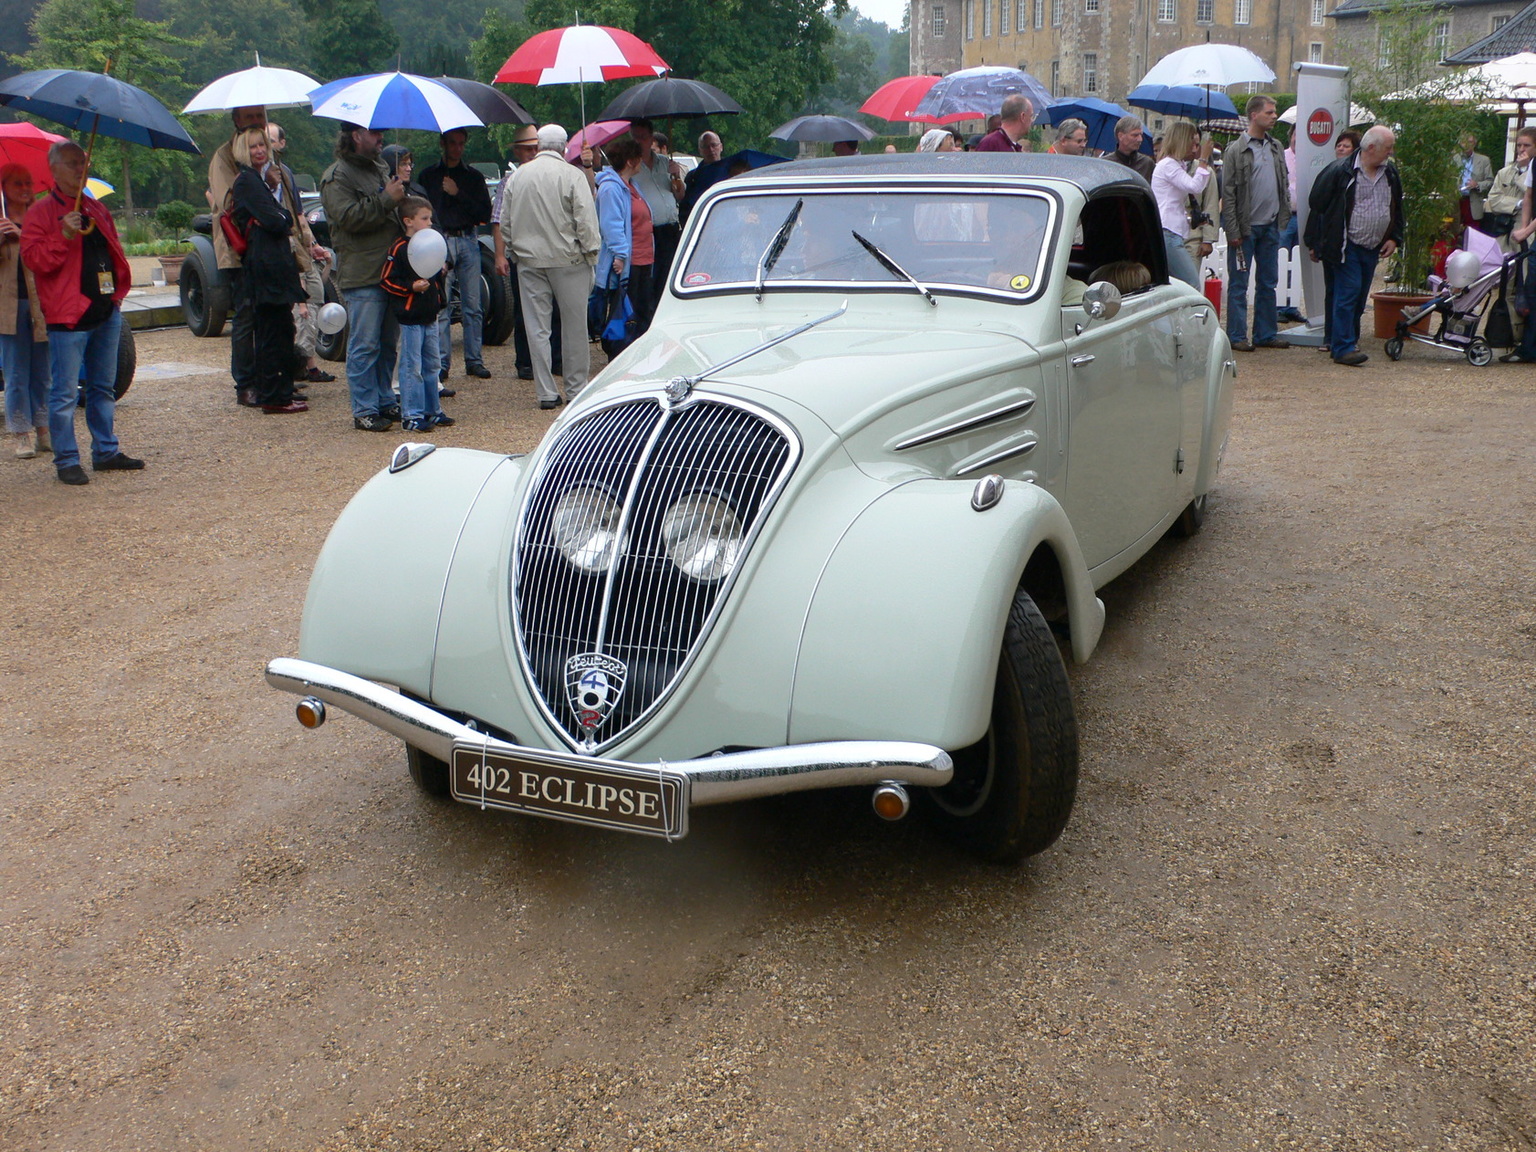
[428, 252]
[1462, 268]
[332, 319]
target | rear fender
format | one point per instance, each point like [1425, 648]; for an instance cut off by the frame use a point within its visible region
[904, 629]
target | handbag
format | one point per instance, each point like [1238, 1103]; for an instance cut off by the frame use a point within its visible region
[238, 241]
[619, 331]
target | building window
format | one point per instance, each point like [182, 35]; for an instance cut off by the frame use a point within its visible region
[1090, 73]
[1383, 52]
[1442, 37]
[1500, 21]
[1056, 77]
[1004, 18]
[1023, 16]
[1167, 11]
[1091, 7]
[970, 19]
[986, 19]
[1242, 11]
[1055, 13]
[1205, 11]
[1039, 13]
[1318, 8]
[1315, 53]
[938, 20]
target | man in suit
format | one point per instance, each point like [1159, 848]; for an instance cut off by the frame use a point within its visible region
[1476, 179]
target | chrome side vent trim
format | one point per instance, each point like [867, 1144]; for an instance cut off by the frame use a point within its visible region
[969, 424]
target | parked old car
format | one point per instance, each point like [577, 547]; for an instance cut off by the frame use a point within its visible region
[821, 526]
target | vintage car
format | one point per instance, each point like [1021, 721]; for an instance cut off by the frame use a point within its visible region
[821, 526]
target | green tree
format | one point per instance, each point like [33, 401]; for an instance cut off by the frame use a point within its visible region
[349, 37]
[106, 36]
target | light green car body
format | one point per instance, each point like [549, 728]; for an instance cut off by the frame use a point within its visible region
[873, 602]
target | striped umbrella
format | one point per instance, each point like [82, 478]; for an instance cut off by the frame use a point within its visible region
[393, 100]
[582, 54]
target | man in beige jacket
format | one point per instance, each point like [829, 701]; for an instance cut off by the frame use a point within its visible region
[550, 223]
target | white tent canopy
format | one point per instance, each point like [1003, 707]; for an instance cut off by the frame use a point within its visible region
[1497, 80]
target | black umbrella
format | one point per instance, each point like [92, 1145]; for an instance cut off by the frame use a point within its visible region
[670, 96]
[827, 129]
[105, 105]
[492, 105]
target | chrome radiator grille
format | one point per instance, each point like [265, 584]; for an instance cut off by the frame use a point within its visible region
[631, 536]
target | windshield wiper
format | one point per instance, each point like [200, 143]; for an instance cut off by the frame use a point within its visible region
[775, 248]
[892, 266]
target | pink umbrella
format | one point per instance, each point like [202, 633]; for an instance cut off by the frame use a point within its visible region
[596, 135]
[583, 54]
[897, 99]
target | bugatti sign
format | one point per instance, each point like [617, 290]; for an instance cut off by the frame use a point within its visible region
[1320, 127]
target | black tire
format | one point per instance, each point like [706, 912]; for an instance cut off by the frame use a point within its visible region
[127, 360]
[430, 773]
[495, 302]
[1394, 348]
[331, 345]
[204, 306]
[1192, 519]
[1013, 790]
[1479, 353]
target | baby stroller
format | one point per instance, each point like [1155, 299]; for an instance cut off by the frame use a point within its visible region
[1461, 300]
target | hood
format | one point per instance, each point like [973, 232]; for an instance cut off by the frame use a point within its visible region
[611, 176]
[391, 154]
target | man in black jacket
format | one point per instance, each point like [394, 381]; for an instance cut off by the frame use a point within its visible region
[1356, 218]
[461, 203]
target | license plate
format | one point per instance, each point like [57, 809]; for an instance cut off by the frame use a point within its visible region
[603, 795]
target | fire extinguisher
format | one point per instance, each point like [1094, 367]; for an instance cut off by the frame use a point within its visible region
[1213, 293]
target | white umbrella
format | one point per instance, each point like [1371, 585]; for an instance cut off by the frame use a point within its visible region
[1357, 115]
[1212, 65]
[271, 87]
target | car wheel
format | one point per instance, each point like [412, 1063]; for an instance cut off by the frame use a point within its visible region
[331, 345]
[1394, 348]
[127, 360]
[1479, 353]
[430, 773]
[495, 303]
[204, 307]
[1013, 790]
[1192, 519]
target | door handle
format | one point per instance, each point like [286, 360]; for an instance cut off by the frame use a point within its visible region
[1085, 358]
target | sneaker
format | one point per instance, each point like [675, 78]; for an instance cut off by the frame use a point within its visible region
[442, 420]
[26, 449]
[73, 474]
[44, 443]
[447, 393]
[391, 413]
[117, 463]
[318, 376]
[1352, 359]
[372, 423]
[416, 424]
[1241, 346]
[1275, 342]
[479, 370]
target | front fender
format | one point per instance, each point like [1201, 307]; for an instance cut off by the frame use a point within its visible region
[906, 622]
[377, 590]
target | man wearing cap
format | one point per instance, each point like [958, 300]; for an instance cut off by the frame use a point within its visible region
[460, 204]
[361, 200]
[222, 170]
[550, 224]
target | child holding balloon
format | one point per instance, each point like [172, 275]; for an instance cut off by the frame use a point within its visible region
[413, 283]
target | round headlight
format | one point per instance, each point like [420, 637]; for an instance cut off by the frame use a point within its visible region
[702, 536]
[585, 527]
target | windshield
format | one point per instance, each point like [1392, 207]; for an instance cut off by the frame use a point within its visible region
[956, 238]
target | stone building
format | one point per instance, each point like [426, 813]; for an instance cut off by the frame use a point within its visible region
[1460, 24]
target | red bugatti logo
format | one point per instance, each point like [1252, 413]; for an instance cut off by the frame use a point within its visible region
[1320, 126]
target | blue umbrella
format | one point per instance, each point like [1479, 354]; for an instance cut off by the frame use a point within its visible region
[393, 100]
[976, 93]
[98, 104]
[1099, 115]
[1186, 100]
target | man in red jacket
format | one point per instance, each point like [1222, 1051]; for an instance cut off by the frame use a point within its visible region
[82, 277]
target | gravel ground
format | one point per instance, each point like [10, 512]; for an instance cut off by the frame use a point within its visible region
[1293, 909]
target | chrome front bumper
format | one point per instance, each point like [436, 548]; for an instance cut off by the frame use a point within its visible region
[713, 780]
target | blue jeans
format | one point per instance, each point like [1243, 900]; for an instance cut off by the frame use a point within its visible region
[464, 252]
[1181, 265]
[95, 350]
[1262, 247]
[1351, 284]
[418, 371]
[370, 350]
[25, 363]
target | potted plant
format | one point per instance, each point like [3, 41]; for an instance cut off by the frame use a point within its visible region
[174, 217]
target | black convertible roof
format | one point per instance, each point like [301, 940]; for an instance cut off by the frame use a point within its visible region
[1092, 176]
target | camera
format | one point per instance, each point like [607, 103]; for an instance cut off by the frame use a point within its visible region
[1197, 218]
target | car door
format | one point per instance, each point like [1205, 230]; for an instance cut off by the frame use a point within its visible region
[1123, 420]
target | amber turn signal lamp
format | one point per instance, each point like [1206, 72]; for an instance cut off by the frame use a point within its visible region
[311, 712]
[890, 800]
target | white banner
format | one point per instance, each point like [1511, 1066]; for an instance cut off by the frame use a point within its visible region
[1322, 112]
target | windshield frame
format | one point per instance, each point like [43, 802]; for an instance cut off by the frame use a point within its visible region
[811, 187]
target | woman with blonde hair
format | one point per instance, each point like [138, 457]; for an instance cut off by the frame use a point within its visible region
[270, 276]
[1172, 186]
[23, 333]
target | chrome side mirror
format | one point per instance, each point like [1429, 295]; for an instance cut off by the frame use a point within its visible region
[1101, 301]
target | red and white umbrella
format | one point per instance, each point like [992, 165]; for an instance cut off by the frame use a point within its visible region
[583, 54]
